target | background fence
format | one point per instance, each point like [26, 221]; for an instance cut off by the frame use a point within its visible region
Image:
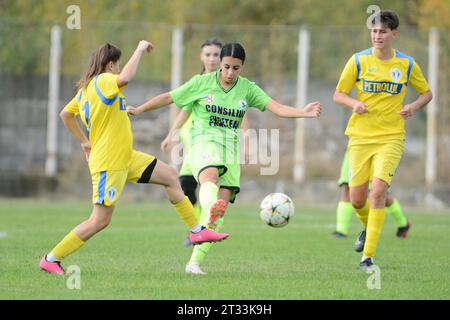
[272, 54]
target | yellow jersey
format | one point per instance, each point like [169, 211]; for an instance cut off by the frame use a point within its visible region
[382, 86]
[102, 109]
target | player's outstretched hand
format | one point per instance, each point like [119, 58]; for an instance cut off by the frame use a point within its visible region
[407, 111]
[132, 111]
[313, 110]
[145, 46]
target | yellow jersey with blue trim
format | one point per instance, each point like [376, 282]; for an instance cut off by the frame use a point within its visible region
[102, 109]
[381, 84]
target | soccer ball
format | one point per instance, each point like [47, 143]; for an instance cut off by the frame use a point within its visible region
[276, 210]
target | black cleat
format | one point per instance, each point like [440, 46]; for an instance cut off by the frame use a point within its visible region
[366, 264]
[360, 241]
[402, 232]
[338, 234]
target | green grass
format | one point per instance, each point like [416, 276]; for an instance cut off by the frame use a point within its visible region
[140, 256]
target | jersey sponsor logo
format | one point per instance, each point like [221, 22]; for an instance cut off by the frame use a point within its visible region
[209, 98]
[396, 74]
[215, 121]
[112, 192]
[381, 86]
[225, 111]
[243, 104]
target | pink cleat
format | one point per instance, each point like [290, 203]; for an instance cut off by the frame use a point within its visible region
[217, 210]
[206, 235]
[51, 267]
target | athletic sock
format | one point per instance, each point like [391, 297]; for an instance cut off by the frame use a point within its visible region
[200, 251]
[68, 245]
[363, 213]
[343, 215]
[186, 212]
[207, 196]
[374, 226]
[395, 210]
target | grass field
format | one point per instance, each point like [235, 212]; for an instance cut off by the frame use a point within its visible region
[140, 256]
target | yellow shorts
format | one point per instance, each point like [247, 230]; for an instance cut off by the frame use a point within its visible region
[108, 185]
[379, 160]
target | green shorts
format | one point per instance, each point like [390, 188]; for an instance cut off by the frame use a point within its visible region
[345, 170]
[185, 169]
[211, 154]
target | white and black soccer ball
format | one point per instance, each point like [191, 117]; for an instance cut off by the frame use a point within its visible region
[277, 209]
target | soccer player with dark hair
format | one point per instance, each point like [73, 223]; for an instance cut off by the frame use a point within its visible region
[218, 102]
[376, 130]
[210, 58]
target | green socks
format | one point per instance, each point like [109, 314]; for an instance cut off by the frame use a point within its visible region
[343, 216]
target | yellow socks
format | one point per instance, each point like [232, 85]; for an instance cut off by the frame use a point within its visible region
[186, 212]
[375, 223]
[363, 213]
[67, 246]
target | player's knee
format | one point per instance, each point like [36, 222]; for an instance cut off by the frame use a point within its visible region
[378, 197]
[212, 177]
[172, 176]
[100, 223]
[345, 193]
[358, 202]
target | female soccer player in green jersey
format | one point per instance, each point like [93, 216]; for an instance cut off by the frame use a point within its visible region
[210, 57]
[218, 102]
[376, 130]
[108, 147]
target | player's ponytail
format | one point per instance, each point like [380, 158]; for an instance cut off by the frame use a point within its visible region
[100, 58]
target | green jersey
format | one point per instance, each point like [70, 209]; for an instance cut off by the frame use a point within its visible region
[217, 113]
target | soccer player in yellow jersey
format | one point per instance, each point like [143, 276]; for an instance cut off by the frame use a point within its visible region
[375, 130]
[108, 147]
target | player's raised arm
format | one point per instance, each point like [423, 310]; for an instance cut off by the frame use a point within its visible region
[157, 102]
[129, 71]
[311, 110]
